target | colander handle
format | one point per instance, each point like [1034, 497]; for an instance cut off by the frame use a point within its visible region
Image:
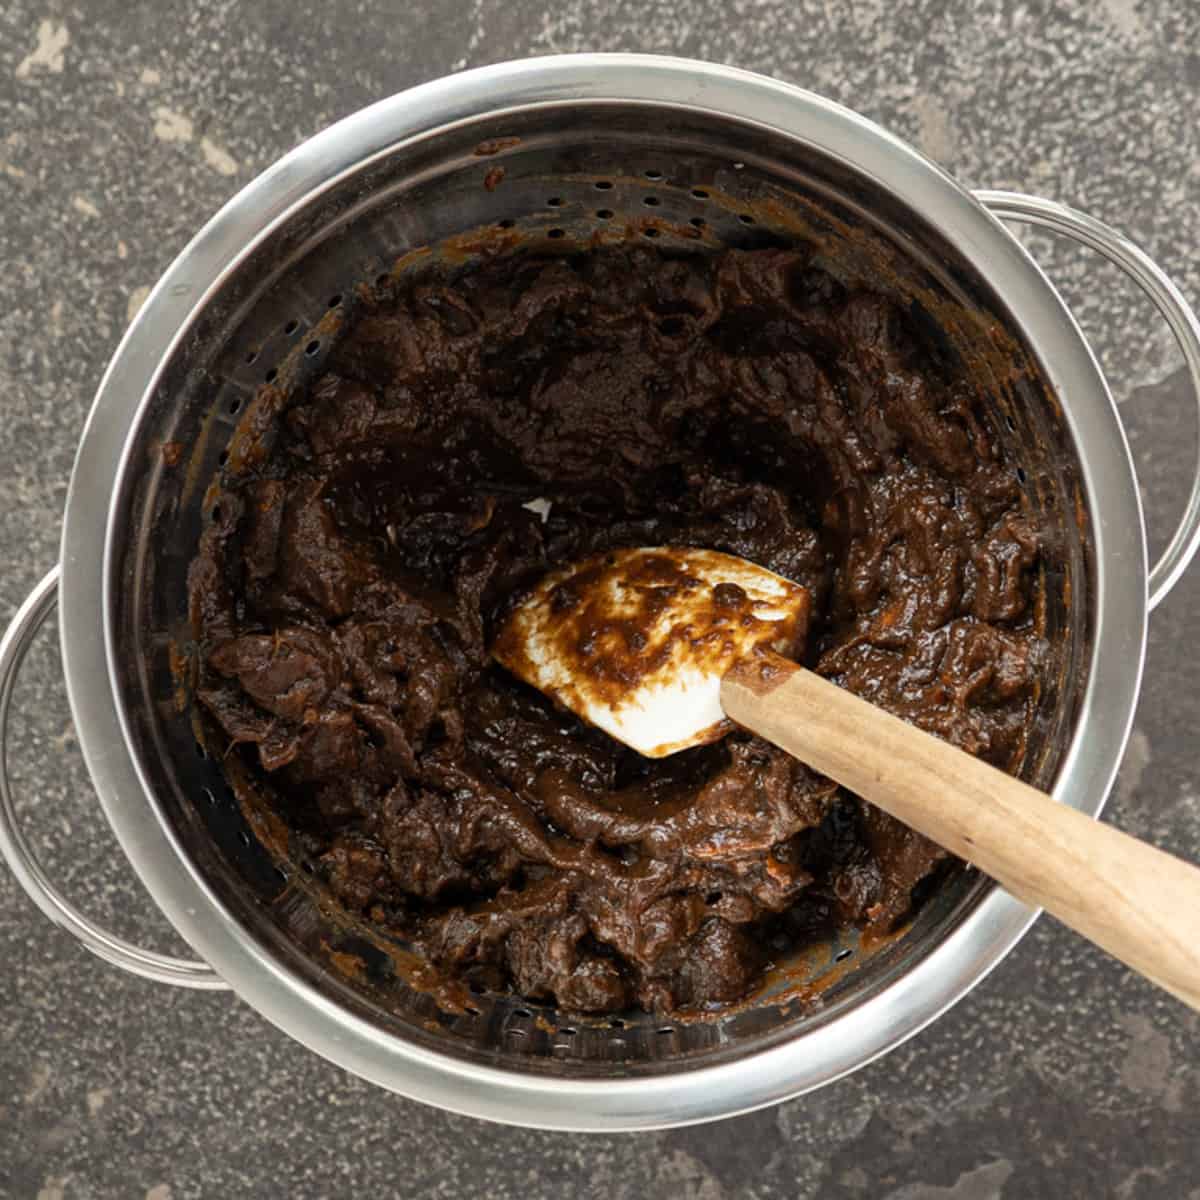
[18, 853]
[1176, 311]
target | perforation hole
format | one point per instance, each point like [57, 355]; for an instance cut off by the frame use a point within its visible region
[666, 1031]
[568, 1030]
[251, 357]
[653, 174]
[222, 458]
[207, 794]
[700, 193]
[602, 185]
[650, 233]
[312, 348]
[651, 201]
[616, 1023]
[698, 222]
[555, 233]
[842, 955]
[271, 375]
[382, 278]
[291, 327]
[604, 214]
[522, 1012]
[234, 405]
[555, 202]
[1022, 478]
[470, 1008]
[244, 838]
[746, 219]
[1012, 425]
[334, 301]
[507, 223]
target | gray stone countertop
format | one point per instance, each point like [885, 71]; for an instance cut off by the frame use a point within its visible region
[123, 126]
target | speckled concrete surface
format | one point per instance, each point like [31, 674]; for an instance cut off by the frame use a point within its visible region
[123, 125]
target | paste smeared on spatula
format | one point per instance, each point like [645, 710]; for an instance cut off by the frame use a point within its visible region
[636, 641]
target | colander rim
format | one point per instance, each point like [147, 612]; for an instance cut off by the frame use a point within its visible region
[89, 551]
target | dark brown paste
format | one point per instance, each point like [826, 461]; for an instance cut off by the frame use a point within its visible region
[345, 597]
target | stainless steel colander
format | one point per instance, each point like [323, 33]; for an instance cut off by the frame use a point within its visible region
[565, 151]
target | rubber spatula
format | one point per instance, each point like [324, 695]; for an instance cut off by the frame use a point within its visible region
[667, 648]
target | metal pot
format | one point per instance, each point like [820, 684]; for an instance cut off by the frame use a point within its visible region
[582, 141]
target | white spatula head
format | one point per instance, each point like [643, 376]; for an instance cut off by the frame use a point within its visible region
[636, 641]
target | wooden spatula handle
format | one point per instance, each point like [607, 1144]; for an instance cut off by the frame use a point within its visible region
[1140, 904]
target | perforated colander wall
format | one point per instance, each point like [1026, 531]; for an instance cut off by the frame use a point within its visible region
[549, 177]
